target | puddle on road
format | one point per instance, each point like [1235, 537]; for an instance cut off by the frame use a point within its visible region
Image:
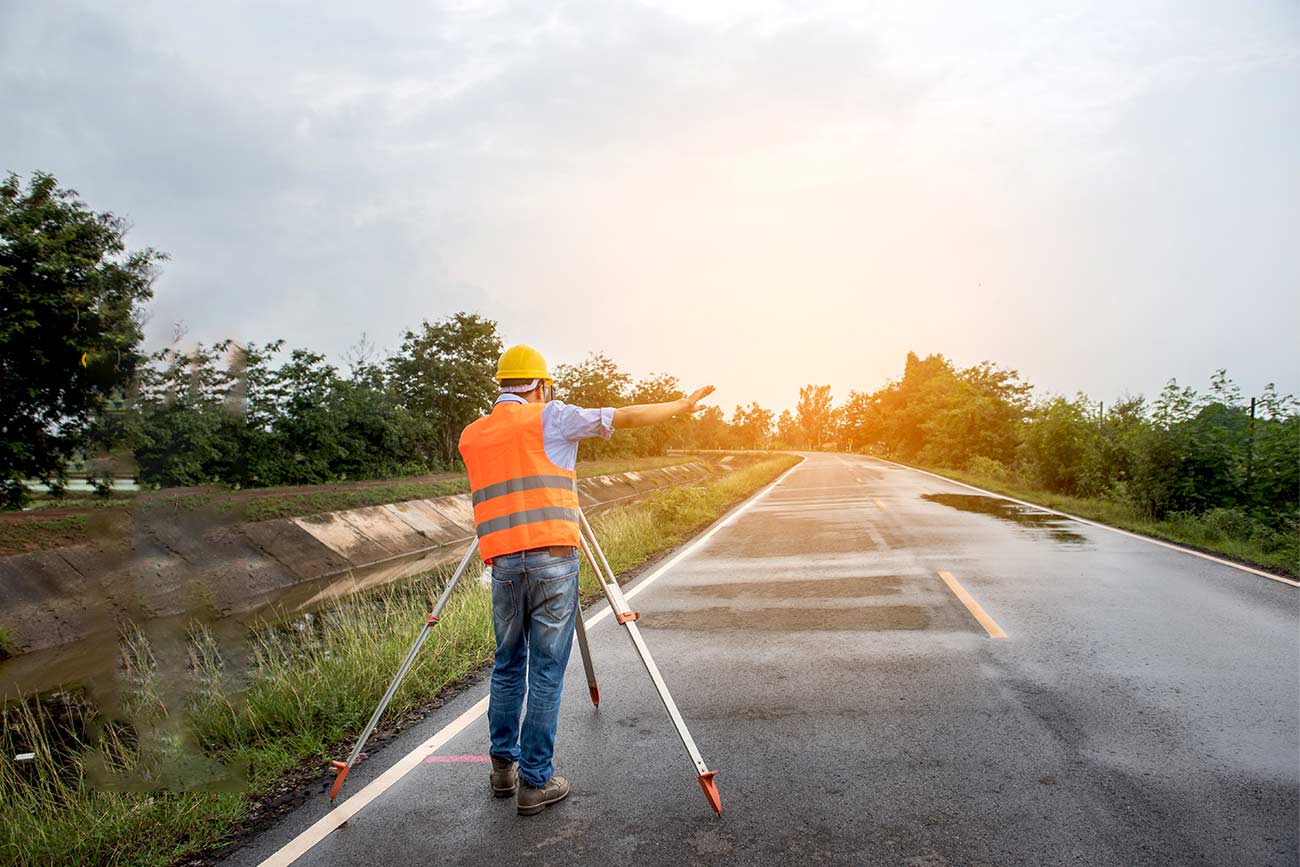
[817, 588]
[1056, 527]
[868, 618]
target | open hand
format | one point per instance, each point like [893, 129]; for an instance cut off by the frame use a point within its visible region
[693, 401]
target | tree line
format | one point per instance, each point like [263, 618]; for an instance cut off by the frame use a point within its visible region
[230, 414]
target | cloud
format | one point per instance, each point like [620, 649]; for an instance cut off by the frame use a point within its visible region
[756, 194]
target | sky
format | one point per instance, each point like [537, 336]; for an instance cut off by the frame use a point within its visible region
[756, 195]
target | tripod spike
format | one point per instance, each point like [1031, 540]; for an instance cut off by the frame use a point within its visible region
[585, 652]
[711, 791]
[340, 774]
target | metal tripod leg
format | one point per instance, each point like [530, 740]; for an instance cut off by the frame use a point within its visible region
[342, 768]
[625, 616]
[592, 687]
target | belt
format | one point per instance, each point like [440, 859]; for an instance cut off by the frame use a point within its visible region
[553, 550]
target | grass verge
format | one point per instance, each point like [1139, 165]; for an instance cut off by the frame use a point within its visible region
[196, 742]
[38, 534]
[1218, 531]
[264, 508]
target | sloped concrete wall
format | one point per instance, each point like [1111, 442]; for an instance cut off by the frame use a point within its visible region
[188, 562]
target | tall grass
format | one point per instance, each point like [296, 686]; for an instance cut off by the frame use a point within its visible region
[194, 741]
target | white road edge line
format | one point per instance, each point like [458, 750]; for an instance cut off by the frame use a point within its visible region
[1163, 544]
[322, 827]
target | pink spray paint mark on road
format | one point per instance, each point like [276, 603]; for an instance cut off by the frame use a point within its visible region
[450, 760]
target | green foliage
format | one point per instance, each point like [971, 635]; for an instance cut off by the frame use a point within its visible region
[6, 644]
[657, 439]
[939, 414]
[709, 429]
[595, 381]
[989, 468]
[787, 431]
[69, 326]
[814, 411]
[598, 381]
[751, 426]
[1054, 442]
[226, 415]
[443, 375]
[977, 413]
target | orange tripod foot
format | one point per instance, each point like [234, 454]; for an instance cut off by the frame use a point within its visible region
[711, 791]
[341, 774]
[595, 694]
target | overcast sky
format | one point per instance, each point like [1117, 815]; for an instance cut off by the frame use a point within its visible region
[758, 195]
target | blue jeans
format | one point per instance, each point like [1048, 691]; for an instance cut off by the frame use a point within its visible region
[534, 604]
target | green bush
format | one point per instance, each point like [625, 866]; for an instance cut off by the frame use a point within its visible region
[988, 468]
[1229, 523]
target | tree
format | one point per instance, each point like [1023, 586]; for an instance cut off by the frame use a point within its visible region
[1055, 442]
[1274, 456]
[227, 415]
[787, 431]
[860, 420]
[709, 429]
[598, 381]
[751, 426]
[657, 439]
[814, 412]
[178, 424]
[594, 382]
[71, 300]
[443, 374]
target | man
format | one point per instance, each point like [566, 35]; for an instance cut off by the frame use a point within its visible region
[521, 461]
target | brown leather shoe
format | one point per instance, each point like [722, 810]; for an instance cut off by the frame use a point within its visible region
[505, 777]
[531, 801]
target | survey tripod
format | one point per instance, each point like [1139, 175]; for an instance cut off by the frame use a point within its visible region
[622, 613]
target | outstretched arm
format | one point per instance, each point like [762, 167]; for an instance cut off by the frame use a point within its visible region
[643, 414]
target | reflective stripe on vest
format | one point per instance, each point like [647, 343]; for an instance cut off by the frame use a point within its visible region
[529, 516]
[521, 499]
[527, 483]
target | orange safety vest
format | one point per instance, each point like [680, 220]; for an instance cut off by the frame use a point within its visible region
[521, 500]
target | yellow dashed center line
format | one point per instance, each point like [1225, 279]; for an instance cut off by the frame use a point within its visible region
[878, 503]
[990, 626]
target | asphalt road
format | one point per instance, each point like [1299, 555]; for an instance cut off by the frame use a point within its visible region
[1142, 708]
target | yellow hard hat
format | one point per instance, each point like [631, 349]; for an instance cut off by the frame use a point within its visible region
[522, 362]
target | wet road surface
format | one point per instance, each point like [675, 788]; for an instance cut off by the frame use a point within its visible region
[1142, 708]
